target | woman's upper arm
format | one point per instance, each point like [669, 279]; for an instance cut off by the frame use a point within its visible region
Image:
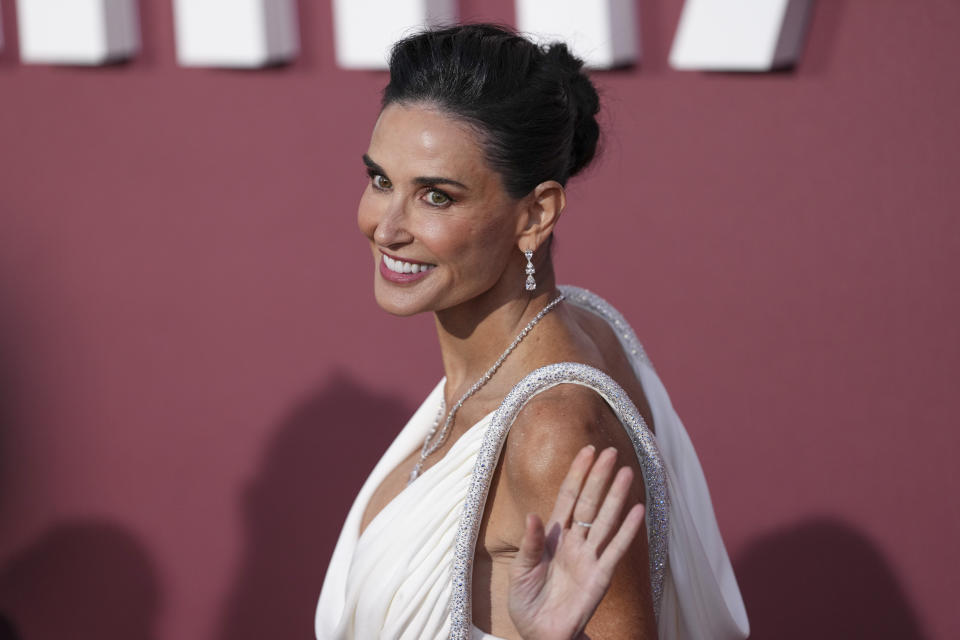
[546, 436]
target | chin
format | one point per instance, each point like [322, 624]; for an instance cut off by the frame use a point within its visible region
[398, 302]
[398, 311]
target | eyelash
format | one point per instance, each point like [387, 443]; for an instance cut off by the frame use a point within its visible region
[373, 182]
[373, 175]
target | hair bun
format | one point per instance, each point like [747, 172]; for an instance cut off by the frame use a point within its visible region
[532, 104]
[582, 101]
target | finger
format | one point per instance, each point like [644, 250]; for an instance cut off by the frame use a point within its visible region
[570, 487]
[531, 546]
[594, 488]
[623, 538]
[605, 524]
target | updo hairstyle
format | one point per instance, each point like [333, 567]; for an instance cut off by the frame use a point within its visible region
[532, 105]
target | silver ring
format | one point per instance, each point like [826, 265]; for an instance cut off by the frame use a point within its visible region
[583, 524]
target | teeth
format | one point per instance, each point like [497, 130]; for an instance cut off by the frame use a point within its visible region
[398, 266]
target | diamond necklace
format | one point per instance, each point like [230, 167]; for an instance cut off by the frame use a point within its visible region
[429, 448]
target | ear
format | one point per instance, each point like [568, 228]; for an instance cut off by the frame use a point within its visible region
[541, 210]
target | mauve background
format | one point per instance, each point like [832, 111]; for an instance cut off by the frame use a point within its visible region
[194, 378]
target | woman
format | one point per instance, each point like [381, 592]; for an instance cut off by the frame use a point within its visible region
[479, 132]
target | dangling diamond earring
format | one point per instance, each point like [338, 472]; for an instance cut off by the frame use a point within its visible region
[531, 283]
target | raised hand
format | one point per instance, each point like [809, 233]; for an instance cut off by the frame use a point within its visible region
[561, 572]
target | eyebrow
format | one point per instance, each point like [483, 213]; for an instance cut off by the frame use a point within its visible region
[422, 180]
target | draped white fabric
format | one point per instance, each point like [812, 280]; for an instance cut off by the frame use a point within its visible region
[393, 581]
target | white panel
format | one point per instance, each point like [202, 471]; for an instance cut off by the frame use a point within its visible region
[366, 29]
[77, 31]
[602, 32]
[235, 33]
[739, 35]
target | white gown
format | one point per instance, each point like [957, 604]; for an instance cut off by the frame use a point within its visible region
[394, 581]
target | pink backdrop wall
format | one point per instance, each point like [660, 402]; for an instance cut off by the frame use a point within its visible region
[194, 378]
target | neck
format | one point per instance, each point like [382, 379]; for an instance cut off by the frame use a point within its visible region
[474, 334]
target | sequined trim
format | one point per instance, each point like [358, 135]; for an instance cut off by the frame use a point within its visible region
[648, 455]
[592, 302]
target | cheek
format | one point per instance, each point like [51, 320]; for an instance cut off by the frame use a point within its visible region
[451, 239]
[477, 248]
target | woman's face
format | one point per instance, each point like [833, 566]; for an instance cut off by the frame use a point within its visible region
[441, 226]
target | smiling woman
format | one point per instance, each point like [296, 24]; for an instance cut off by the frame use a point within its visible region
[492, 515]
[433, 200]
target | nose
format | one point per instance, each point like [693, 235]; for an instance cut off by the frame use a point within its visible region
[392, 226]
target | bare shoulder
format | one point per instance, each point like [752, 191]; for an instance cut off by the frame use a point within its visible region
[548, 433]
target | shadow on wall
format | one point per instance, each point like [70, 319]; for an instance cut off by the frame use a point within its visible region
[822, 579]
[7, 630]
[84, 580]
[296, 504]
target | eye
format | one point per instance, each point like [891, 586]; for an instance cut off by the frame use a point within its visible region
[380, 182]
[438, 198]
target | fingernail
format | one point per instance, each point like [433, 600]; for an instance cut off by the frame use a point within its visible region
[614, 449]
[591, 447]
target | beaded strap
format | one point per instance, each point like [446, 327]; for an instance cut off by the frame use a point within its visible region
[648, 455]
[625, 334]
